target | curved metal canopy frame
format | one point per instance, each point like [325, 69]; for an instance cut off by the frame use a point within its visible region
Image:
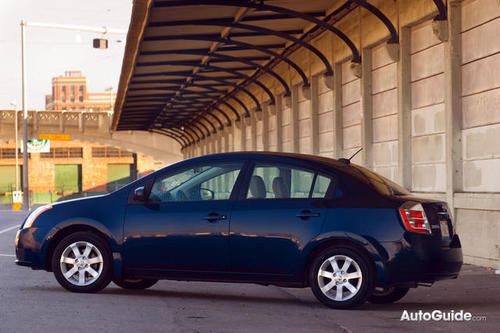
[213, 69]
[442, 10]
[182, 141]
[253, 65]
[249, 27]
[261, 6]
[381, 16]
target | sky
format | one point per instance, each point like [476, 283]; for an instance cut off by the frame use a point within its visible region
[50, 52]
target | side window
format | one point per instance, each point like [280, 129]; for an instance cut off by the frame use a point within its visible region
[205, 182]
[321, 186]
[285, 182]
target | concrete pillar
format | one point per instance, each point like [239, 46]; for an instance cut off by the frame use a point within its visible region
[453, 103]
[243, 138]
[225, 137]
[294, 119]
[253, 132]
[404, 110]
[314, 115]
[279, 121]
[366, 108]
[265, 127]
[338, 126]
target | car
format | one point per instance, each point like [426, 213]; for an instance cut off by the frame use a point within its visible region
[281, 219]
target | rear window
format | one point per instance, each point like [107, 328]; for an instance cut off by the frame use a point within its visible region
[382, 184]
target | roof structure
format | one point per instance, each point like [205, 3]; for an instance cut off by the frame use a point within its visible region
[194, 67]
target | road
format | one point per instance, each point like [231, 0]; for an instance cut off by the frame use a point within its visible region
[32, 301]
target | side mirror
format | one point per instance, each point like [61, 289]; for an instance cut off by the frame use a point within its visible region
[139, 194]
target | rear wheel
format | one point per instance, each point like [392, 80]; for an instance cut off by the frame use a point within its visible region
[387, 295]
[135, 283]
[82, 263]
[341, 277]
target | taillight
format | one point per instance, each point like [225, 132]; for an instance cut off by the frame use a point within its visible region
[414, 218]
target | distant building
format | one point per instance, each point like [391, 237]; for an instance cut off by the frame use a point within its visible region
[73, 166]
[70, 93]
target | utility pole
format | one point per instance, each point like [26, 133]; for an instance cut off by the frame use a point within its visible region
[101, 30]
[26, 197]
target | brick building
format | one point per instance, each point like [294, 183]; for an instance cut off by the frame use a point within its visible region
[72, 166]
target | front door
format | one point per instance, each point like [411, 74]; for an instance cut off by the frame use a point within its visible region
[282, 211]
[184, 225]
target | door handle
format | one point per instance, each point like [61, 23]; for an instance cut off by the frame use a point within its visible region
[214, 217]
[306, 214]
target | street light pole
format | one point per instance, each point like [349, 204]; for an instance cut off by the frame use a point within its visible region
[26, 198]
[24, 25]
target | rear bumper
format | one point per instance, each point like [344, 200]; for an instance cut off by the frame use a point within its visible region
[421, 262]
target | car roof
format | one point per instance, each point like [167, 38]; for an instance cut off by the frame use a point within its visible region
[260, 154]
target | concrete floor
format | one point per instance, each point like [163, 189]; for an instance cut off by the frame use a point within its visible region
[32, 301]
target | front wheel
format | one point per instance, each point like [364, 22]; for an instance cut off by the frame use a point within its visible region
[82, 263]
[136, 284]
[341, 277]
[387, 295]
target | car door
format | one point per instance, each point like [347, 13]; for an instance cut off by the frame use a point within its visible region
[280, 211]
[184, 224]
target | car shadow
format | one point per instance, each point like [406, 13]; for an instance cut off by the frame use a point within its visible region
[184, 294]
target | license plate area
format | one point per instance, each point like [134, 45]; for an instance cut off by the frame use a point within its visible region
[445, 231]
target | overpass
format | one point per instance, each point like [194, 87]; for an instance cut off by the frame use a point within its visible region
[93, 127]
[415, 83]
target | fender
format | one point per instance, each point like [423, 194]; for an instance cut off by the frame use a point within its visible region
[378, 257]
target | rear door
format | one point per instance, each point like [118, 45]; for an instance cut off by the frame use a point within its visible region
[281, 208]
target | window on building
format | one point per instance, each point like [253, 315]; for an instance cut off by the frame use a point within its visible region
[7, 153]
[100, 152]
[73, 152]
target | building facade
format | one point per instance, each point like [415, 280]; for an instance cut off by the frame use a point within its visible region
[72, 167]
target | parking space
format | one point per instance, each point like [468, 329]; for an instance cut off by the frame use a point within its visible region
[33, 301]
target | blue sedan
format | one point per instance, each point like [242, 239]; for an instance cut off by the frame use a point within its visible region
[268, 218]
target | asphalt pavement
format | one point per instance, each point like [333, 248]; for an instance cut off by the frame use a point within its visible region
[32, 301]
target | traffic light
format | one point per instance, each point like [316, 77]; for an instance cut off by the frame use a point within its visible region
[100, 43]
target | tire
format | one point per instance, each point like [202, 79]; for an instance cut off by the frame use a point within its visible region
[355, 283]
[136, 284]
[387, 296]
[82, 253]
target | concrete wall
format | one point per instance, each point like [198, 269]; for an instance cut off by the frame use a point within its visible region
[428, 117]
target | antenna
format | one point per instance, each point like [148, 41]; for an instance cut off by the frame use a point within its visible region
[348, 160]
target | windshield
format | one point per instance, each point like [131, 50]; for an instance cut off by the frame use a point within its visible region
[382, 184]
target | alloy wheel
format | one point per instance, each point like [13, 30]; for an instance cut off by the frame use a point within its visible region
[81, 263]
[340, 278]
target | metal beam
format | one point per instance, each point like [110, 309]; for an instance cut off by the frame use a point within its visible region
[261, 30]
[261, 6]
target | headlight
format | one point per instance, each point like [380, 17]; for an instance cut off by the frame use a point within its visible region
[34, 214]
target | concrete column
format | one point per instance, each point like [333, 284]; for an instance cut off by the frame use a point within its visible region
[314, 115]
[366, 108]
[338, 126]
[224, 135]
[253, 132]
[404, 110]
[453, 103]
[243, 142]
[236, 126]
[265, 127]
[294, 119]
[279, 122]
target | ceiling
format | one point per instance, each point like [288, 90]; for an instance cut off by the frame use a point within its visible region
[187, 63]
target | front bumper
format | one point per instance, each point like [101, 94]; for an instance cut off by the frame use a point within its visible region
[29, 252]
